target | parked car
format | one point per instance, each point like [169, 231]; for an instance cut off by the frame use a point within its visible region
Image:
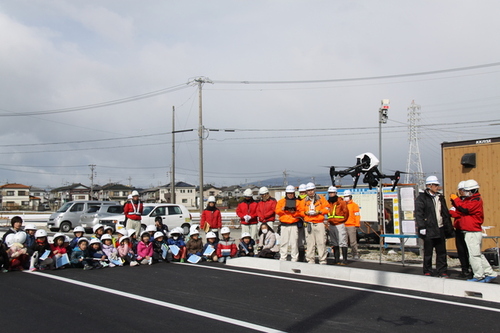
[172, 215]
[95, 213]
[68, 216]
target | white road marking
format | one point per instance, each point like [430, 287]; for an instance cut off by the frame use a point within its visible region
[303, 280]
[172, 306]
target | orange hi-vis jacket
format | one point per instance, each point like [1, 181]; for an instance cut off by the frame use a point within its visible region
[338, 212]
[354, 216]
[320, 206]
[289, 216]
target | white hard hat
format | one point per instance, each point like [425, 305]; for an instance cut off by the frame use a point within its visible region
[211, 234]
[129, 197]
[94, 241]
[194, 227]
[30, 226]
[131, 232]
[122, 238]
[461, 185]
[290, 189]
[9, 240]
[332, 189]
[246, 234]
[97, 226]
[310, 186]
[211, 199]
[135, 193]
[40, 233]
[145, 232]
[194, 232]
[263, 190]
[79, 229]
[106, 236]
[471, 184]
[122, 232]
[18, 237]
[302, 187]
[225, 230]
[151, 227]
[67, 239]
[158, 234]
[347, 193]
[248, 193]
[176, 231]
[56, 235]
[432, 180]
[82, 239]
[108, 227]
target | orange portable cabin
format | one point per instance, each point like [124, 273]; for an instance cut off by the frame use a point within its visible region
[478, 160]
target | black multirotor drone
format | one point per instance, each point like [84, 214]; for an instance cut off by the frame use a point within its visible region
[366, 164]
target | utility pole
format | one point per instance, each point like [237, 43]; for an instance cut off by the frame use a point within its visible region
[285, 180]
[383, 115]
[92, 173]
[201, 133]
[172, 178]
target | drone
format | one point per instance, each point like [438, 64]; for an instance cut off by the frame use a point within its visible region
[366, 164]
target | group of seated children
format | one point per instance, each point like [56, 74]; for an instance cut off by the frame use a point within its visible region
[30, 248]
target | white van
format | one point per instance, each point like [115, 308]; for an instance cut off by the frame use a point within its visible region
[172, 215]
[68, 216]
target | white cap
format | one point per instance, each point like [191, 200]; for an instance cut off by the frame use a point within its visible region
[225, 230]
[94, 241]
[347, 193]
[246, 234]
[97, 226]
[30, 226]
[461, 185]
[302, 187]
[106, 236]
[211, 199]
[248, 193]
[122, 238]
[130, 232]
[471, 184]
[310, 186]
[194, 232]
[432, 180]
[82, 239]
[290, 189]
[211, 234]
[135, 193]
[263, 190]
[150, 227]
[332, 189]
[158, 234]
[122, 231]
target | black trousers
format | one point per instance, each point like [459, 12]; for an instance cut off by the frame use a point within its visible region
[463, 253]
[439, 244]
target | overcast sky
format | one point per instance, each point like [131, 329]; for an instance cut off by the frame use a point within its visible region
[67, 56]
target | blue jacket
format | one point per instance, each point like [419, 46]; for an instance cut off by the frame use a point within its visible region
[78, 253]
[179, 242]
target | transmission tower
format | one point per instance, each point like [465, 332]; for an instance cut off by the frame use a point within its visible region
[414, 173]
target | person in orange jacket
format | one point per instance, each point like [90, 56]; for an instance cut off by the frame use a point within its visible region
[337, 231]
[315, 207]
[353, 223]
[290, 214]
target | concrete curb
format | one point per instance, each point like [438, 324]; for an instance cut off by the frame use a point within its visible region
[450, 287]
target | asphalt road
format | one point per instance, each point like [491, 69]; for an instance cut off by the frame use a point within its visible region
[212, 297]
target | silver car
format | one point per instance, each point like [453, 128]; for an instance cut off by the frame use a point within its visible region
[95, 213]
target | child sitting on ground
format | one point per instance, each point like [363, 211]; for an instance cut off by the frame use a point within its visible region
[110, 231]
[110, 250]
[41, 246]
[125, 251]
[80, 256]
[159, 245]
[133, 239]
[226, 249]
[145, 249]
[210, 246]
[177, 240]
[58, 247]
[246, 246]
[151, 229]
[16, 252]
[98, 231]
[194, 245]
[78, 232]
[30, 230]
[97, 254]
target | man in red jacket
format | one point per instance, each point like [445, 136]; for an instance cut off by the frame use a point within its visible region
[247, 212]
[471, 219]
[266, 207]
[133, 213]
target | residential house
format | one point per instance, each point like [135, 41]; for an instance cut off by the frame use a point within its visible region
[15, 196]
[113, 192]
[60, 195]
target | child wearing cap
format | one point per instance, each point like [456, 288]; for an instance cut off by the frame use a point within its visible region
[177, 240]
[159, 245]
[80, 255]
[246, 246]
[58, 247]
[132, 234]
[194, 245]
[145, 249]
[39, 248]
[30, 230]
[98, 231]
[125, 251]
[210, 246]
[110, 231]
[78, 232]
[110, 250]
[151, 229]
[16, 252]
[97, 254]
[226, 249]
